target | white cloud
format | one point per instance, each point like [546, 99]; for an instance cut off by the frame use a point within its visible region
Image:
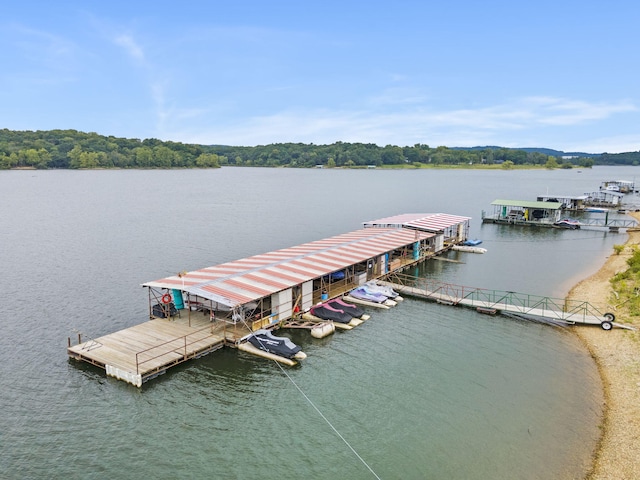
[561, 123]
[130, 45]
[607, 144]
[561, 111]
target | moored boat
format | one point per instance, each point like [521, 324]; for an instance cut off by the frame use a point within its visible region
[282, 346]
[383, 289]
[472, 242]
[353, 310]
[569, 223]
[364, 294]
[327, 312]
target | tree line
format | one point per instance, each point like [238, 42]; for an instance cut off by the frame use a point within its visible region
[74, 149]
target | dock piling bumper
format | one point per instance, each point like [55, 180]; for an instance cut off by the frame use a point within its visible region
[323, 330]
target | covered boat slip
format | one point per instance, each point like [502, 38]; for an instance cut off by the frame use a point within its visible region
[569, 202]
[194, 313]
[522, 212]
[449, 229]
[605, 198]
[264, 290]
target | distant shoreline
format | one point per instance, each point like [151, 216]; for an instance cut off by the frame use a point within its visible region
[478, 166]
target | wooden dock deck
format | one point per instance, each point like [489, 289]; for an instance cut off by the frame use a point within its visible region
[141, 352]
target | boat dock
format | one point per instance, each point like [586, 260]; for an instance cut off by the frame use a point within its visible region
[144, 351]
[547, 214]
[496, 301]
[195, 313]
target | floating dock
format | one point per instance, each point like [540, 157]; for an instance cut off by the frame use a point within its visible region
[144, 351]
[195, 313]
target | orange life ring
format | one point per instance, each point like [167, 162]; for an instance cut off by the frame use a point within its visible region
[166, 298]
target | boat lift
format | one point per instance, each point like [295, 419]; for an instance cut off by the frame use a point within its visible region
[568, 312]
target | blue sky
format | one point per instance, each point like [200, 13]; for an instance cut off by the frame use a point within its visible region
[558, 74]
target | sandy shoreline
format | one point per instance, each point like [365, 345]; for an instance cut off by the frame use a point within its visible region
[617, 354]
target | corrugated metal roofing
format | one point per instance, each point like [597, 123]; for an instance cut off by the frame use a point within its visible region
[528, 204]
[429, 222]
[248, 279]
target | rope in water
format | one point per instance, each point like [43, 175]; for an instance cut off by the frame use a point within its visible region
[328, 422]
[319, 412]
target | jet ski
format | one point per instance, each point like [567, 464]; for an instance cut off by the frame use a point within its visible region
[328, 312]
[281, 346]
[383, 289]
[363, 293]
[351, 309]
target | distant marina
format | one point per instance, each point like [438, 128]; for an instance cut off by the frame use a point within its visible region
[551, 210]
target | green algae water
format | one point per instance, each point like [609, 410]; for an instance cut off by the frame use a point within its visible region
[421, 391]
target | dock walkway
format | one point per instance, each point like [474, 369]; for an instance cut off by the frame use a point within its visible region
[496, 301]
[141, 352]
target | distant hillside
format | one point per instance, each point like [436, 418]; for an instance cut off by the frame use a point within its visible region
[544, 151]
[628, 158]
[75, 149]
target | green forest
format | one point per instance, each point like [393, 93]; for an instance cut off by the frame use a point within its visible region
[71, 149]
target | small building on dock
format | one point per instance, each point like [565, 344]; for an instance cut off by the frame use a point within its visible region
[522, 212]
[574, 203]
[604, 198]
[622, 186]
[448, 229]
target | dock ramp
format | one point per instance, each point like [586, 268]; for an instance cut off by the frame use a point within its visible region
[568, 312]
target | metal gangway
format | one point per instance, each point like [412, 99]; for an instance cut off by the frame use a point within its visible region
[611, 224]
[568, 312]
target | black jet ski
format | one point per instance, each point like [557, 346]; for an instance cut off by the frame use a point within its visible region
[281, 346]
[327, 312]
[351, 309]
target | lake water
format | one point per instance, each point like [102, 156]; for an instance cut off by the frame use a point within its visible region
[421, 391]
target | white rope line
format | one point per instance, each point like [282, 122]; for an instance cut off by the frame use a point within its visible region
[328, 422]
[318, 410]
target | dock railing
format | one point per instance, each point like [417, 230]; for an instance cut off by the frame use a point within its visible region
[523, 303]
[178, 348]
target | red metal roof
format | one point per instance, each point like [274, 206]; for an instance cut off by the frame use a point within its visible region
[430, 222]
[248, 279]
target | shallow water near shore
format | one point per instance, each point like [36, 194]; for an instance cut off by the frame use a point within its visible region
[419, 391]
